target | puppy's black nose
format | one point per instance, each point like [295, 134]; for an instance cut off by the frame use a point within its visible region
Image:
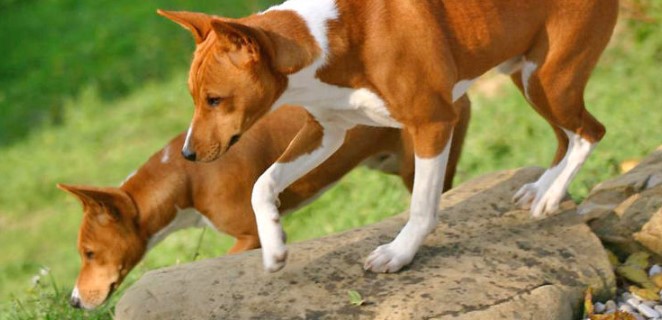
[188, 155]
[75, 302]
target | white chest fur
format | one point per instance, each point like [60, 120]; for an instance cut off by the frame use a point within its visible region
[332, 103]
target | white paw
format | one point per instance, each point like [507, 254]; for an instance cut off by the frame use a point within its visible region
[546, 204]
[525, 196]
[388, 258]
[541, 202]
[274, 257]
[274, 251]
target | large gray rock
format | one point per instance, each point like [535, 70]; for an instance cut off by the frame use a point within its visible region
[608, 195]
[618, 208]
[485, 260]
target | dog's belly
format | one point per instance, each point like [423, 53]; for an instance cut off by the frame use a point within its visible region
[185, 218]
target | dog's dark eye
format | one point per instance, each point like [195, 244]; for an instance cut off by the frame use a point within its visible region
[89, 255]
[214, 101]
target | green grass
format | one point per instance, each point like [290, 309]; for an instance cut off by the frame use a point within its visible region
[86, 97]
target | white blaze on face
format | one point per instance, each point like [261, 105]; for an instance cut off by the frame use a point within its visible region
[187, 141]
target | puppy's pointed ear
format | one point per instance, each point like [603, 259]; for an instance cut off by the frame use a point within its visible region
[117, 202]
[198, 23]
[239, 41]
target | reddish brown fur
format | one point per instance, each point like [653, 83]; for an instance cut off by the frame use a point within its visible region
[118, 222]
[429, 46]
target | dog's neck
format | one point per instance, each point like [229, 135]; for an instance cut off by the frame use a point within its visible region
[294, 34]
[159, 189]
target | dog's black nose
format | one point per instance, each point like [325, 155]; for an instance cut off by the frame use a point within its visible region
[75, 302]
[188, 155]
[234, 139]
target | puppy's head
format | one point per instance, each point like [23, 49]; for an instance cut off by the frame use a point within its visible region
[231, 81]
[109, 244]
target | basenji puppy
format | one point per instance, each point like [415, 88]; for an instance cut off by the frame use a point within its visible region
[391, 63]
[169, 193]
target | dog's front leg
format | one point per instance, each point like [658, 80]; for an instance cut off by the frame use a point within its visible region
[431, 148]
[316, 142]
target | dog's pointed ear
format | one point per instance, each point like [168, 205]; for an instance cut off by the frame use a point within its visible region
[198, 23]
[240, 42]
[117, 202]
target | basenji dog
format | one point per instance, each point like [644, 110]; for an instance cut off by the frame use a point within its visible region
[169, 193]
[391, 63]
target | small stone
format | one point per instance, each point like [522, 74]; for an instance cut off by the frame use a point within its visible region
[658, 308]
[633, 302]
[647, 311]
[657, 279]
[610, 306]
[625, 307]
[650, 303]
[599, 307]
[655, 269]
[625, 296]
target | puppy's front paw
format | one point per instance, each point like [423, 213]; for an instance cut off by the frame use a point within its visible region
[387, 258]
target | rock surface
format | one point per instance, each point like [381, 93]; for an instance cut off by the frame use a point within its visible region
[485, 260]
[619, 208]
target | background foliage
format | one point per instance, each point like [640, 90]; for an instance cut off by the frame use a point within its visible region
[89, 90]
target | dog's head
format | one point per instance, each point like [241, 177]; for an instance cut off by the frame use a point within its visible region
[109, 243]
[231, 80]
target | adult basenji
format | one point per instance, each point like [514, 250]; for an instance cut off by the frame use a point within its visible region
[121, 224]
[395, 64]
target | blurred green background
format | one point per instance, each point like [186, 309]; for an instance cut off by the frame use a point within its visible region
[89, 90]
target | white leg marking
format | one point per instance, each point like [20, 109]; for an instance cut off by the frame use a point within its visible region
[461, 88]
[527, 70]
[273, 182]
[545, 195]
[428, 182]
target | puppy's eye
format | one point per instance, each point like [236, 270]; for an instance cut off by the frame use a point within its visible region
[89, 255]
[214, 101]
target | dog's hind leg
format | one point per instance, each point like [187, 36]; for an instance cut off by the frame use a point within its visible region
[553, 78]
